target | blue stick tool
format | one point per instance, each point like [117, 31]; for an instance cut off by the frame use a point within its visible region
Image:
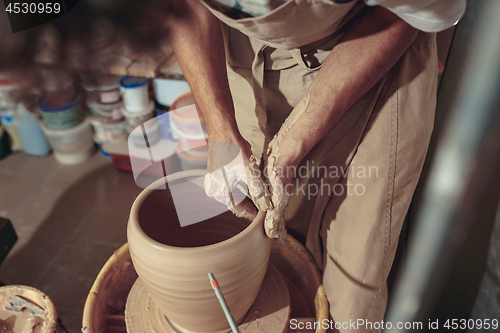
[220, 297]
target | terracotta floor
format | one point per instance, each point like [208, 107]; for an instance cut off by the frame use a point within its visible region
[69, 220]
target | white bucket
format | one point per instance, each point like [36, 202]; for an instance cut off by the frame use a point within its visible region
[168, 90]
[115, 132]
[135, 93]
[109, 113]
[10, 93]
[149, 130]
[73, 145]
[98, 130]
[91, 102]
[107, 87]
[109, 96]
[138, 118]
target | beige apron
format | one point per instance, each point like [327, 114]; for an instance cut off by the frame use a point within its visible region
[355, 185]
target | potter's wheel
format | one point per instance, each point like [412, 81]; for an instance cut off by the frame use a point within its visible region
[271, 308]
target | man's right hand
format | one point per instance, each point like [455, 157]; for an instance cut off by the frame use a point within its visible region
[235, 180]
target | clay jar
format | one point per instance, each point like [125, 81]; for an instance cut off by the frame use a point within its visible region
[174, 261]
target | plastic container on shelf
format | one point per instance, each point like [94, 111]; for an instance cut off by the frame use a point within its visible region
[137, 118]
[110, 113]
[193, 130]
[105, 87]
[108, 88]
[98, 130]
[134, 93]
[103, 153]
[123, 157]
[150, 124]
[30, 132]
[152, 132]
[109, 96]
[190, 161]
[73, 145]
[182, 101]
[168, 90]
[61, 117]
[115, 132]
[184, 119]
[8, 119]
[10, 93]
[91, 102]
[163, 116]
[121, 162]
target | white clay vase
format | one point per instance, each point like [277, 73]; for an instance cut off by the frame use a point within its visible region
[174, 261]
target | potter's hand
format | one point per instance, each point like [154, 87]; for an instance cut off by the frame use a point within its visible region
[234, 179]
[275, 218]
[283, 155]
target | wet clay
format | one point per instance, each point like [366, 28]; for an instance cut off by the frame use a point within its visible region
[256, 188]
[25, 309]
[258, 192]
[108, 294]
[275, 219]
[173, 261]
[226, 171]
[23, 322]
[269, 313]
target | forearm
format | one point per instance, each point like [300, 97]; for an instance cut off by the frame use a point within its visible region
[366, 52]
[198, 45]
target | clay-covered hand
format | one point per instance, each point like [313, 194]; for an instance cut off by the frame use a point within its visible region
[283, 155]
[234, 179]
[274, 223]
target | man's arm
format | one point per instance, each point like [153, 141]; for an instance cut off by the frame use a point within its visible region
[366, 52]
[197, 41]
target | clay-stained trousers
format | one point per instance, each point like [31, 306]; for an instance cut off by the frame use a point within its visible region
[352, 191]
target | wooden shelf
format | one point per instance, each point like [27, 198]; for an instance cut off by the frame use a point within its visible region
[118, 58]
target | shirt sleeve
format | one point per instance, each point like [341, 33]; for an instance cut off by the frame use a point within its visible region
[426, 15]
